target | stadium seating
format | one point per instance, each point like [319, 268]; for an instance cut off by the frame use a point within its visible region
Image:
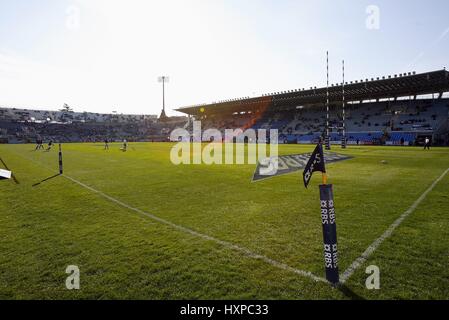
[20, 125]
[398, 122]
[388, 122]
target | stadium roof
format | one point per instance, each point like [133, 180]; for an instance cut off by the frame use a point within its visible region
[403, 85]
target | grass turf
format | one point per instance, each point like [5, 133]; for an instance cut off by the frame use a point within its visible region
[124, 255]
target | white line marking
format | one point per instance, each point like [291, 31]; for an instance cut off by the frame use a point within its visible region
[346, 275]
[375, 245]
[225, 244]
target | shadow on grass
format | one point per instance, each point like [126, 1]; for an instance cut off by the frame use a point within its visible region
[49, 178]
[348, 292]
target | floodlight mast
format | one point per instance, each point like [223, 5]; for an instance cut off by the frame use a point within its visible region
[163, 80]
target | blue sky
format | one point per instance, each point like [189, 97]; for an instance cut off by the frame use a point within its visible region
[106, 55]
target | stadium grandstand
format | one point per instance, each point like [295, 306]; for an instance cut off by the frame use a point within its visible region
[65, 125]
[402, 109]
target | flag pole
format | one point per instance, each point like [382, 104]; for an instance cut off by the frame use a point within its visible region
[330, 241]
[343, 141]
[324, 178]
[61, 171]
[327, 141]
[328, 216]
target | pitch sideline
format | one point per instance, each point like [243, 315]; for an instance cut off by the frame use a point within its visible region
[357, 263]
[375, 245]
[223, 243]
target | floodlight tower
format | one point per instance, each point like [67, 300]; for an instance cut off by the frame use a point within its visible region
[163, 80]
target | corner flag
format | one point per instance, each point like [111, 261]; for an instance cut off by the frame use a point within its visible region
[328, 217]
[316, 163]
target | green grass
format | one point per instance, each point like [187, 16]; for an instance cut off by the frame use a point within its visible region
[124, 255]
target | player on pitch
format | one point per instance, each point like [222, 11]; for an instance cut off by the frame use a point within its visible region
[50, 145]
[427, 144]
[125, 145]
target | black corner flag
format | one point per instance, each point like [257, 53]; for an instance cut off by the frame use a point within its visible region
[316, 163]
[328, 218]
